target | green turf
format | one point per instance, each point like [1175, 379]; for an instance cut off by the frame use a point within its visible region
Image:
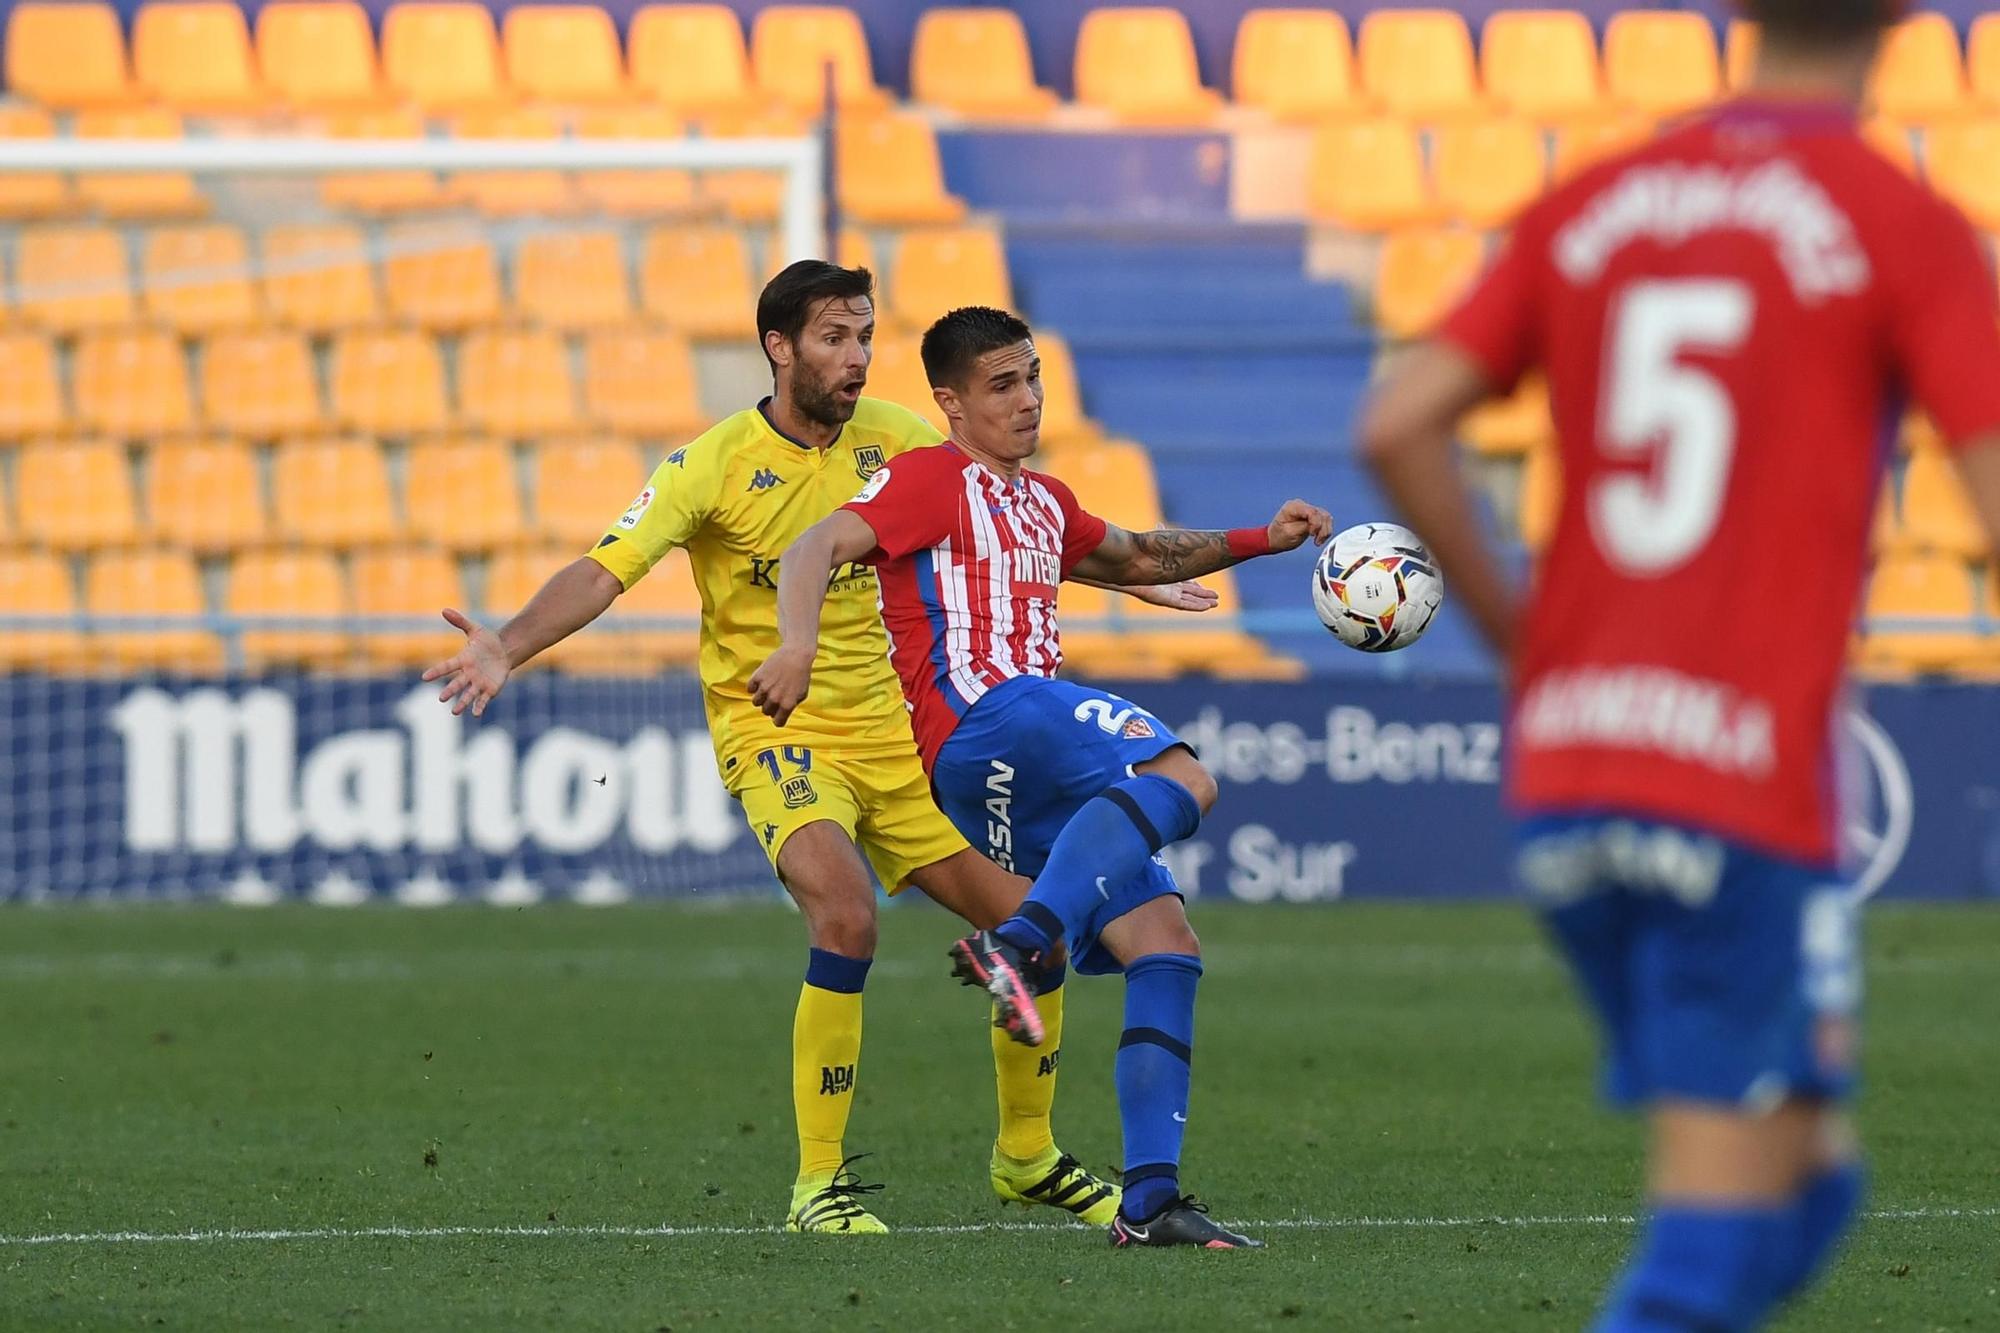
[171, 1069]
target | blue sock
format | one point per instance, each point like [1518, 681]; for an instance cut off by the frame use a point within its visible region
[1152, 1076]
[1820, 1217]
[1711, 1269]
[1108, 841]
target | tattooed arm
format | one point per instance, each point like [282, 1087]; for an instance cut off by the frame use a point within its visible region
[1168, 555]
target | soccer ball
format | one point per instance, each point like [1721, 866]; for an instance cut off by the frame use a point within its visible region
[1376, 587]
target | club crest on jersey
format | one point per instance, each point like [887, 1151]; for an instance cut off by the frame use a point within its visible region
[638, 510]
[797, 792]
[764, 479]
[868, 460]
[1138, 729]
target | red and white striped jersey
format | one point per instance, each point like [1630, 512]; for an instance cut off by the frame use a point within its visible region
[968, 566]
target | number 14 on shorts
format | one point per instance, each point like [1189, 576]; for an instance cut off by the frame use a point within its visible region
[788, 766]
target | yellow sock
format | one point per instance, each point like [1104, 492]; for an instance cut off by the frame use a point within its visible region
[1026, 1077]
[826, 1049]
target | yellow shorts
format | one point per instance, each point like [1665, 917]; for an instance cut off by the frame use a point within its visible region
[882, 802]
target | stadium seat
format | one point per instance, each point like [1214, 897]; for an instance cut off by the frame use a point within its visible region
[1514, 425]
[72, 278]
[889, 172]
[413, 582]
[1541, 496]
[572, 280]
[1139, 65]
[317, 278]
[1938, 514]
[441, 277]
[1920, 74]
[944, 268]
[563, 53]
[332, 493]
[1894, 140]
[1418, 62]
[1092, 644]
[856, 249]
[1297, 64]
[194, 55]
[1659, 64]
[204, 496]
[380, 192]
[1423, 273]
[582, 486]
[511, 193]
[442, 54]
[150, 583]
[31, 399]
[27, 196]
[1063, 420]
[697, 279]
[75, 496]
[463, 495]
[1982, 60]
[1587, 143]
[260, 385]
[291, 583]
[515, 383]
[514, 576]
[136, 194]
[1368, 175]
[634, 194]
[1487, 171]
[750, 195]
[1963, 161]
[690, 58]
[896, 375]
[1115, 480]
[1919, 587]
[791, 46]
[318, 53]
[1739, 52]
[131, 383]
[1185, 643]
[67, 56]
[641, 382]
[37, 583]
[196, 280]
[667, 590]
[975, 62]
[388, 383]
[1542, 63]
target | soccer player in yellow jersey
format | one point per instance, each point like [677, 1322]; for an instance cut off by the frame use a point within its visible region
[844, 774]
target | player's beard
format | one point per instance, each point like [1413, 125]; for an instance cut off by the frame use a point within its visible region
[816, 400]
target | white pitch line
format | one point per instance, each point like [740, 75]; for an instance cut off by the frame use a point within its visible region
[968, 1228]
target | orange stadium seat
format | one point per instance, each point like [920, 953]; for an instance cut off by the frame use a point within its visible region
[1063, 421]
[413, 582]
[572, 280]
[563, 53]
[942, 269]
[137, 194]
[791, 46]
[1592, 141]
[1512, 426]
[889, 172]
[260, 385]
[975, 62]
[855, 250]
[442, 54]
[896, 375]
[37, 583]
[1739, 52]
[1963, 158]
[690, 57]
[1920, 74]
[332, 493]
[516, 383]
[629, 194]
[1091, 644]
[72, 278]
[1920, 587]
[1418, 62]
[75, 496]
[697, 279]
[1541, 496]
[196, 280]
[513, 193]
[380, 191]
[388, 383]
[1139, 64]
[1489, 170]
[1424, 271]
[667, 590]
[131, 383]
[291, 583]
[27, 196]
[1297, 64]
[318, 53]
[67, 55]
[441, 277]
[195, 55]
[1115, 479]
[204, 495]
[1368, 175]
[463, 494]
[1542, 63]
[31, 400]
[1893, 140]
[1982, 60]
[317, 277]
[641, 382]
[1661, 64]
[750, 195]
[1938, 514]
[1194, 643]
[514, 576]
[150, 583]
[582, 486]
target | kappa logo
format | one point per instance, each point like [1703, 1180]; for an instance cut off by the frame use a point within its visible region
[798, 792]
[835, 1080]
[679, 457]
[868, 460]
[763, 480]
[770, 832]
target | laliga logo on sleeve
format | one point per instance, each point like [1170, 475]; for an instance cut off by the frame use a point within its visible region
[1878, 808]
[638, 510]
[873, 488]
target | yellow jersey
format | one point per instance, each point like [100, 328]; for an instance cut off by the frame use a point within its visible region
[736, 497]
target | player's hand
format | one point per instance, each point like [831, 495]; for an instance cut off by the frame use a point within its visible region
[1297, 521]
[1187, 595]
[476, 673]
[782, 683]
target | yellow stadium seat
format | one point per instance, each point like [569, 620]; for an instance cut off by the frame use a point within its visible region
[942, 269]
[1541, 497]
[463, 494]
[667, 590]
[318, 53]
[1892, 139]
[413, 582]
[690, 58]
[697, 279]
[975, 62]
[1093, 640]
[537, 193]
[1063, 421]
[856, 250]
[1185, 642]
[1920, 587]
[442, 55]
[75, 496]
[441, 277]
[1139, 64]
[889, 172]
[317, 278]
[750, 195]
[516, 383]
[791, 46]
[1368, 175]
[1297, 64]
[196, 280]
[896, 375]
[1423, 273]
[1659, 64]
[563, 53]
[1587, 143]
[67, 55]
[36, 583]
[1938, 514]
[131, 383]
[1514, 425]
[260, 385]
[1542, 63]
[514, 576]
[31, 401]
[1920, 74]
[150, 583]
[629, 194]
[1739, 52]
[572, 280]
[1418, 62]
[377, 192]
[1489, 170]
[1963, 158]
[332, 493]
[291, 584]
[1982, 60]
[195, 55]
[204, 495]
[641, 382]
[26, 196]
[1115, 480]
[72, 278]
[388, 383]
[582, 486]
[136, 194]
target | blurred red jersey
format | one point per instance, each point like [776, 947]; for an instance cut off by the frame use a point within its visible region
[1730, 320]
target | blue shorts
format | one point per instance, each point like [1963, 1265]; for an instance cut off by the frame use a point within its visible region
[1719, 974]
[1025, 758]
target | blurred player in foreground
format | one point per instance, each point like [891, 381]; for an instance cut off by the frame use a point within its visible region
[1729, 319]
[1080, 786]
[846, 774]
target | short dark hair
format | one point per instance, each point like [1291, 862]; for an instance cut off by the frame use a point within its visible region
[1819, 23]
[955, 342]
[788, 299]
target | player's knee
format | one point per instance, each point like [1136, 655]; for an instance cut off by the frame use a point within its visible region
[847, 930]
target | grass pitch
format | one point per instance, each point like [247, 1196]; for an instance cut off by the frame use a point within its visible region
[584, 1114]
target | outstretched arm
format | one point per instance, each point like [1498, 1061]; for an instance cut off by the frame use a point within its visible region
[577, 594]
[1168, 555]
[804, 571]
